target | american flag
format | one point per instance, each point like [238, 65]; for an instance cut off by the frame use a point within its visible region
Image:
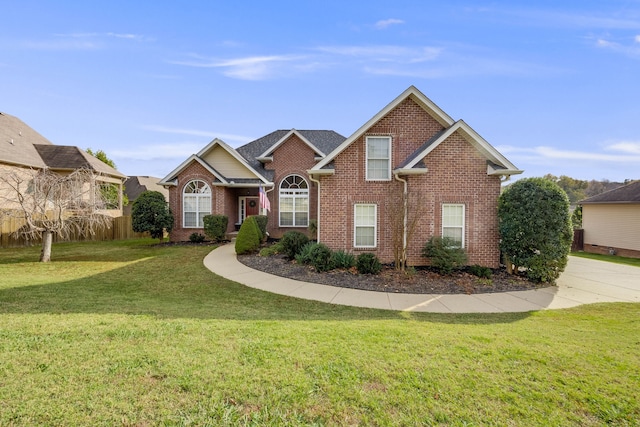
[264, 200]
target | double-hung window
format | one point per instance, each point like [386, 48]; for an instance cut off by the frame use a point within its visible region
[196, 203]
[453, 223]
[365, 225]
[378, 158]
[294, 202]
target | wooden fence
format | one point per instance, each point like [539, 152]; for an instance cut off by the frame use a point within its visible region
[120, 230]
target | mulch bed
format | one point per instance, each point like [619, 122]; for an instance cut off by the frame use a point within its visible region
[418, 281]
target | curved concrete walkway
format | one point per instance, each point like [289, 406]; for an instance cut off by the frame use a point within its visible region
[583, 282]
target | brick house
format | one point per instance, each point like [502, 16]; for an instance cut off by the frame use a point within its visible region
[353, 187]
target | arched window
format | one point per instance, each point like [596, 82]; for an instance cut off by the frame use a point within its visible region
[196, 203]
[294, 202]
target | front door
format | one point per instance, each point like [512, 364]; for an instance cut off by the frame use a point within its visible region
[248, 206]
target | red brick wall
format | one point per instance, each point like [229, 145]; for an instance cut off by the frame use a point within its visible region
[292, 157]
[219, 203]
[457, 174]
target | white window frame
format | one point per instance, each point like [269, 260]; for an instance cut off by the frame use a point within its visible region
[199, 196]
[462, 226]
[367, 158]
[356, 226]
[296, 195]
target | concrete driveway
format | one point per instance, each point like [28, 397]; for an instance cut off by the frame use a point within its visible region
[584, 281]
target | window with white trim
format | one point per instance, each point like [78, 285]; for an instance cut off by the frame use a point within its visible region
[378, 158]
[365, 225]
[294, 202]
[196, 203]
[453, 222]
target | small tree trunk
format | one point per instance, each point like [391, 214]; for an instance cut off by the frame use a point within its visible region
[47, 239]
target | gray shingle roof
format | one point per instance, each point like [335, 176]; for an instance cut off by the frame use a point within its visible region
[17, 142]
[135, 185]
[629, 193]
[23, 146]
[325, 140]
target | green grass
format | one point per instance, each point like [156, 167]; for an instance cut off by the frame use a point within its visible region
[635, 262]
[127, 333]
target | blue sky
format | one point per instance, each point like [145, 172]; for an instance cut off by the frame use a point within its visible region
[554, 85]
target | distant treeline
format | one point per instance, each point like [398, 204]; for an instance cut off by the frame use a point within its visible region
[578, 189]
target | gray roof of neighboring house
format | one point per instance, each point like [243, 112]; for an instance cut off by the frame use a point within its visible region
[23, 146]
[17, 143]
[325, 140]
[136, 185]
[629, 193]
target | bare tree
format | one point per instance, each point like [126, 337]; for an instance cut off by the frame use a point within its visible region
[401, 209]
[51, 204]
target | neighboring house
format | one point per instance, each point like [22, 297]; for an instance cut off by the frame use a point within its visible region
[22, 148]
[136, 185]
[611, 221]
[350, 186]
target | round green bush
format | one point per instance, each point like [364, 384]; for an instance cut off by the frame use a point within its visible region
[249, 237]
[535, 227]
[215, 226]
[445, 254]
[292, 243]
[368, 263]
[321, 257]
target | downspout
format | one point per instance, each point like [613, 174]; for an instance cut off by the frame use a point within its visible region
[317, 209]
[404, 219]
[267, 193]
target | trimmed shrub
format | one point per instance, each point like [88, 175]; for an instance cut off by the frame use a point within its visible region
[274, 249]
[292, 242]
[150, 212]
[196, 238]
[480, 271]
[215, 226]
[445, 254]
[248, 239]
[535, 228]
[262, 220]
[304, 256]
[368, 263]
[321, 257]
[342, 259]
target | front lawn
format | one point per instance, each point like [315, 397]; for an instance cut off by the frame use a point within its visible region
[634, 262]
[128, 333]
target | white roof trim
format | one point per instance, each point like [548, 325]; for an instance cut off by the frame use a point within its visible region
[169, 179]
[480, 144]
[436, 112]
[233, 153]
[268, 153]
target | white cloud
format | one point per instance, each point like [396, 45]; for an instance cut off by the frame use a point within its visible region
[632, 50]
[637, 38]
[195, 132]
[386, 23]
[630, 147]
[247, 68]
[385, 53]
[552, 153]
[178, 150]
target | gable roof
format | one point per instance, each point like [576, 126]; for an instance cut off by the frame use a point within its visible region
[136, 185]
[321, 141]
[412, 92]
[17, 142]
[629, 193]
[497, 164]
[66, 157]
[22, 146]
